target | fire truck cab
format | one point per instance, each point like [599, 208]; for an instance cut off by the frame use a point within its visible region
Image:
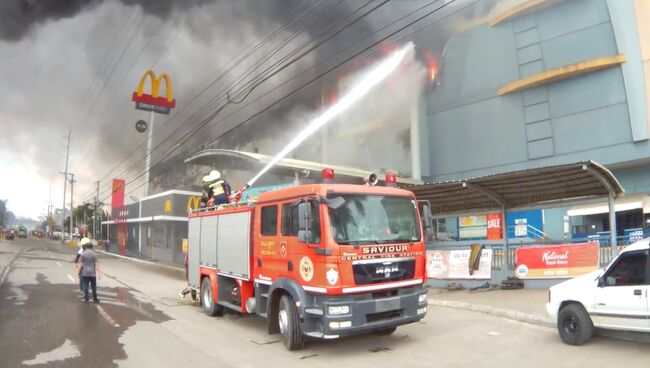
[317, 260]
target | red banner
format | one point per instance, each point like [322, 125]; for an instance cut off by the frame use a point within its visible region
[117, 198]
[557, 261]
[494, 226]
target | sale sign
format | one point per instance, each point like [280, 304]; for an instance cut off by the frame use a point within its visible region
[494, 226]
[557, 261]
[454, 264]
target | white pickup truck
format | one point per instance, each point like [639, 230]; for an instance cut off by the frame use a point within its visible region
[614, 298]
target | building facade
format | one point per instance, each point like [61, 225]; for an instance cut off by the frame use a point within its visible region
[543, 83]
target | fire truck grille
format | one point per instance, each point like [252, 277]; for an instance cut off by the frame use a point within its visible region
[372, 273]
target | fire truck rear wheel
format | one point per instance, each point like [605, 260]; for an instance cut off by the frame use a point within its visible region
[207, 299]
[289, 323]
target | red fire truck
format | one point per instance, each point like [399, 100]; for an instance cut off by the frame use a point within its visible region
[318, 260]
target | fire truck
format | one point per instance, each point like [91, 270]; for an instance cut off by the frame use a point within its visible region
[321, 261]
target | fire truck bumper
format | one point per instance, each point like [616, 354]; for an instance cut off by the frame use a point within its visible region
[333, 316]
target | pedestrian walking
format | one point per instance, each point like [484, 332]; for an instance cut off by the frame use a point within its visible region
[88, 270]
[82, 247]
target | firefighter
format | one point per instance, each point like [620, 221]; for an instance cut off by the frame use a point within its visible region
[216, 189]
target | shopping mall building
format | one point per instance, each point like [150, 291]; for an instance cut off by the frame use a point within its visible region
[544, 83]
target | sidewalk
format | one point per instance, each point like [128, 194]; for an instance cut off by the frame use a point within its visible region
[171, 268]
[525, 305]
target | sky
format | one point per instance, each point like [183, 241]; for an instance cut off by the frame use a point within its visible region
[72, 65]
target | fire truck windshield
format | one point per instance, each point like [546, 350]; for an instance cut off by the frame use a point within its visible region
[374, 219]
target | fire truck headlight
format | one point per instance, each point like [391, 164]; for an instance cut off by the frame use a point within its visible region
[335, 325]
[336, 310]
[422, 298]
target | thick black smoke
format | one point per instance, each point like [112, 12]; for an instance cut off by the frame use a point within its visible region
[17, 17]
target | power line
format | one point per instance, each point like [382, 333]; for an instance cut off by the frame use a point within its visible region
[183, 139]
[313, 79]
[231, 65]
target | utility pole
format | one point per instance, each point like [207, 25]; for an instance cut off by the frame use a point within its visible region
[71, 204]
[95, 219]
[148, 156]
[65, 182]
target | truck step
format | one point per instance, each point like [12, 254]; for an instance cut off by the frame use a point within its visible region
[232, 306]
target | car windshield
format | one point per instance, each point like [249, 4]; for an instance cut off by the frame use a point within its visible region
[374, 219]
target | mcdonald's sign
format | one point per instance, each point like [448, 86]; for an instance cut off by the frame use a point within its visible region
[153, 102]
[193, 202]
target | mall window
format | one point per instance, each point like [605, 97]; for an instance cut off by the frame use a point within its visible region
[270, 220]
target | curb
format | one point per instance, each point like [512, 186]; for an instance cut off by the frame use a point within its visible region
[531, 318]
[176, 269]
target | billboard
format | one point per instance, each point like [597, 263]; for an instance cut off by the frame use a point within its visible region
[472, 227]
[454, 264]
[557, 261]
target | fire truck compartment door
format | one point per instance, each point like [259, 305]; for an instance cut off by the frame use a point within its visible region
[194, 238]
[233, 244]
[209, 241]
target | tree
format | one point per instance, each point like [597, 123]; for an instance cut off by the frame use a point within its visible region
[3, 211]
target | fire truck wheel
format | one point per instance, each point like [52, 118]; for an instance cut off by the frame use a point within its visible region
[386, 331]
[289, 323]
[207, 300]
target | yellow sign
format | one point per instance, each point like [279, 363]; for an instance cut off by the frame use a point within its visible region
[155, 85]
[168, 206]
[193, 202]
[184, 245]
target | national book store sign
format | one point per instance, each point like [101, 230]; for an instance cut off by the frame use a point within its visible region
[558, 261]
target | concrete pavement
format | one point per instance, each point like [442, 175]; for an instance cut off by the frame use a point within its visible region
[524, 305]
[142, 322]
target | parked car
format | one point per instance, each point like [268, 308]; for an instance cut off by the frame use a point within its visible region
[614, 298]
[9, 234]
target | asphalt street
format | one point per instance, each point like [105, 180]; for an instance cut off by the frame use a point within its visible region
[141, 322]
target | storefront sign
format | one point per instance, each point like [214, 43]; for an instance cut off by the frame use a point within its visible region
[117, 197]
[557, 261]
[153, 102]
[472, 227]
[494, 226]
[454, 264]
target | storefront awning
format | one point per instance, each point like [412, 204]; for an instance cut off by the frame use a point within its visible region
[625, 203]
[519, 189]
[287, 167]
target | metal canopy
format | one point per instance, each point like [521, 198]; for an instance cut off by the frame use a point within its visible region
[517, 189]
[250, 161]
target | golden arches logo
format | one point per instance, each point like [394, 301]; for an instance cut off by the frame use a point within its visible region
[153, 102]
[193, 202]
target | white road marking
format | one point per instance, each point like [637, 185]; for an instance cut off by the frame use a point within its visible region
[58, 264]
[106, 316]
[70, 277]
[4, 274]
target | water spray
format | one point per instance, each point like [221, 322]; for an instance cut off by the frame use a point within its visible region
[367, 83]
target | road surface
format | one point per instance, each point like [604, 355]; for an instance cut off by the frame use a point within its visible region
[141, 322]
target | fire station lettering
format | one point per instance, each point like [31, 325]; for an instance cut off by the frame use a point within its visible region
[384, 249]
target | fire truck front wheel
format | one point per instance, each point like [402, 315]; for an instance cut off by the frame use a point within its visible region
[207, 299]
[289, 324]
